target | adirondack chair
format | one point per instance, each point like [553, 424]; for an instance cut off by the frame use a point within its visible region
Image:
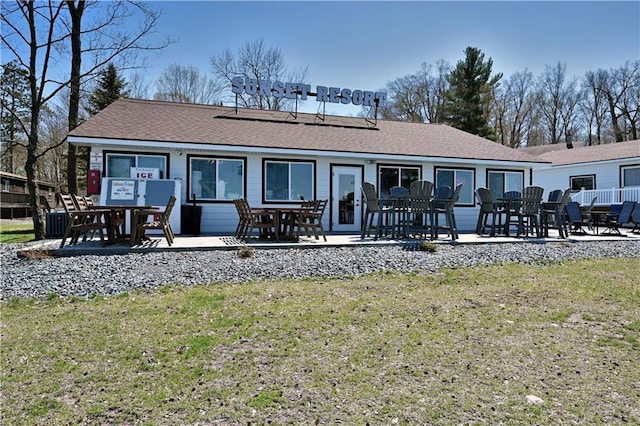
[614, 224]
[81, 222]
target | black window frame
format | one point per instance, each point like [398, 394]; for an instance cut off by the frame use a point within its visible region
[216, 158]
[622, 169]
[586, 176]
[473, 184]
[166, 155]
[503, 171]
[314, 172]
[381, 166]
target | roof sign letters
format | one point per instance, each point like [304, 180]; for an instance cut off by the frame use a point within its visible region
[278, 89]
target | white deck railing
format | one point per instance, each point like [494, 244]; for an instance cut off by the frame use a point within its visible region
[607, 196]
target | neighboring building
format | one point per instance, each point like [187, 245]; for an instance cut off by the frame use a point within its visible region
[222, 153]
[14, 197]
[610, 171]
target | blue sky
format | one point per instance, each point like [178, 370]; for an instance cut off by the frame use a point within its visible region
[366, 44]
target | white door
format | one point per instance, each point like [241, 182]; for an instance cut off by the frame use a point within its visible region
[346, 209]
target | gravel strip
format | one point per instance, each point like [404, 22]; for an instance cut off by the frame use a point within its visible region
[84, 276]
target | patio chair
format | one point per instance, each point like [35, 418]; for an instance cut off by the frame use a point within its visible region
[400, 214]
[487, 208]
[422, 189]
[555, 195]
[575, 220]
[553, 215]
[262, 219]
[614, 224]
[511, 204]
[373, 208]
[529, 212]
[312, 220]
[635, 219]
[81, 222]
[446, 206]
[242, 221]
[160, 221]
[420, 215]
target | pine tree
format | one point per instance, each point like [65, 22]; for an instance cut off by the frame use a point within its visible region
[469, 97]
[110, 88]
[14, 107]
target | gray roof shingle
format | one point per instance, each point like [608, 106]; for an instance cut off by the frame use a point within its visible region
[144, 120]
[559, 155]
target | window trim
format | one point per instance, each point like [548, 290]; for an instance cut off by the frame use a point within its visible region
[314, 172]
[622, 168]
[591, 175]
[189, 198]
[454, 169]
[396, 166]
[166, 156]
[503, 171]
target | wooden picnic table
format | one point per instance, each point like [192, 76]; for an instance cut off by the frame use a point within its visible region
[116, 217]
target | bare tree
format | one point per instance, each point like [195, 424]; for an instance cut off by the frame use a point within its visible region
[513, 109]
[138, 86]
[594, 105]
[182, 83]
[627, 79]
[37, 36]
[418, 97]
[256, 61]
[105, 43]
[557, 103]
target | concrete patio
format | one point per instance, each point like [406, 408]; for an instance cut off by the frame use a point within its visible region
[225, 242]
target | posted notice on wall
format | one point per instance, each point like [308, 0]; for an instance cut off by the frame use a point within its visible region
[123, 189]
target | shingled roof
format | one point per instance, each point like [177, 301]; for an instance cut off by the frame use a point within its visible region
[177, 123]
[559, 155]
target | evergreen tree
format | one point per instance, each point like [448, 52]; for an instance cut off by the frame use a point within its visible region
[14, 108]
[468, 101]
[110, 88]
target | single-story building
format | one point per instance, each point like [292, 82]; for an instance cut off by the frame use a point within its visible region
[611, 171]
[215, 154]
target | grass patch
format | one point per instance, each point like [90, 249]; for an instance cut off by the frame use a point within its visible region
[460, 346]
[15, 233]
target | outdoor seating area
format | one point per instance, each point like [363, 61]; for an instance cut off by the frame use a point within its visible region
[280, 223]
[424, 211]
[420, 212]
[532, 216]
[85, 219]
[415, 212]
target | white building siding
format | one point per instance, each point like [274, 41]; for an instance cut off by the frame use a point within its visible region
[220, 218]
[607, 174]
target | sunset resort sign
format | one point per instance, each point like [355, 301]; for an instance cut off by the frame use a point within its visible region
[278, 89]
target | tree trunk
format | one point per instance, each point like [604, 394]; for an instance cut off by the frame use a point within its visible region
[74, 98]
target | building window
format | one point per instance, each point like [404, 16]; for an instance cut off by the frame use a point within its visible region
[288, 180]
[120, 164]
[630, 176]
[454, 177]
[578, 183]
[390, 176]
[501, 181]
[215, 179]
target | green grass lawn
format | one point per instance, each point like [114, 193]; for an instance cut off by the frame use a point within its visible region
[460, 346]
[15, 233]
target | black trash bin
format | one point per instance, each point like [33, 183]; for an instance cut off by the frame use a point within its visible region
[190, 217]
[56, 224]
